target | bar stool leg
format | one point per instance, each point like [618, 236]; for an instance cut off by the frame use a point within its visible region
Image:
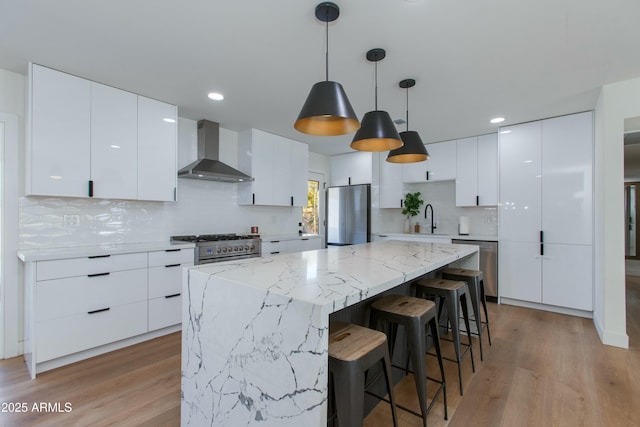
[386, 364]
[454, 317]
[416, 336]
[433, 324]
[349, 387]
[474, 293]
[465, 315]
[484, 305]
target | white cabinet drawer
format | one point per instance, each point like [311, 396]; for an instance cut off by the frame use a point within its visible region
[165, 281]
[76, 295]
[165, 312]
[79, 332]
[273, 247]
[57, 269]
[171, 257]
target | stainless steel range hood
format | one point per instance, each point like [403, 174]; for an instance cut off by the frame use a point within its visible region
[208, 167]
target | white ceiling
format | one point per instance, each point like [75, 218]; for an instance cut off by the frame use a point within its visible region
[472, 59]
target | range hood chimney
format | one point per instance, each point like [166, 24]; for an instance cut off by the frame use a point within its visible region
[208, 166]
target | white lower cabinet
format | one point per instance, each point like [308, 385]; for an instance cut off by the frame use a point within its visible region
[290, 245]
[165, 286]
[80, 307]
[82, 331]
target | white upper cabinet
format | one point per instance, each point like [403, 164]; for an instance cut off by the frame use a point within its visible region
[477, 171]
[157, 150]
[352, 168]
[279, 167]
[390, 191]
[567, 179]
[114, 149]
[91, 140]
[299, 173]
[441, 165]
[59, 150]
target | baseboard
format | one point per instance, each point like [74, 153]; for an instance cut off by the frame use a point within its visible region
[545, 307]
[613, 339]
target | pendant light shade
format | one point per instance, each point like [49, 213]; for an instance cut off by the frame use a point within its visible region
[378, 132]
[327, 110]
[413, 150]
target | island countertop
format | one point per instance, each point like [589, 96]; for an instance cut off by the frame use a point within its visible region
[255, 331]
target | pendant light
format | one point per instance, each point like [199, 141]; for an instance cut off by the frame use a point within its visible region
[327, 110]
[413, 150]
[378, 132]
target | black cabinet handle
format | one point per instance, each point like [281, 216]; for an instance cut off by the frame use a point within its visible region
[304, 239]
[90, 188]
[291, 200]
[477, 200]
[172, 250]
[175, 190]
[99, 256]
[254, 199]
[172, 265]
[99, 310]
[98, 274]
[349, 181]
[276, 252]
[401, 201]
[275, 241]
[541, 243]
[172, 296]
[427, 175]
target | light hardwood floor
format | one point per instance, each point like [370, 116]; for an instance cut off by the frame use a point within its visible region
[544, 369]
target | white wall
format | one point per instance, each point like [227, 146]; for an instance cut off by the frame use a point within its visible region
[12, 107]
[617, 102]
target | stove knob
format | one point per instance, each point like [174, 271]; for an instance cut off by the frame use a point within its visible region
[246, 248]
[235, 249]
[218, 250]
[224, 250]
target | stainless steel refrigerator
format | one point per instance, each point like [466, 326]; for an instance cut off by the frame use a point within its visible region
[348, 215]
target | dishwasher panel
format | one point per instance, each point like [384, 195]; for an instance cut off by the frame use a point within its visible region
[488, 265]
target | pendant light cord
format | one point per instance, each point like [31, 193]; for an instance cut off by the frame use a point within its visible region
[376, 93]
[326, 53]
[407, 108]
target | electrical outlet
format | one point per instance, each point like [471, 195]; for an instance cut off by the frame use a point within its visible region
[71, 220]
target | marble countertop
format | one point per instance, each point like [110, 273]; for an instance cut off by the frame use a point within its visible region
[46, 254]
[482, 237]
[337, 277]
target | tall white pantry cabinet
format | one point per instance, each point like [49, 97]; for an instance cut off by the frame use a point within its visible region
[546, 212]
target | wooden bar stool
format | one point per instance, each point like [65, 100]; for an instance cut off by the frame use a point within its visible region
[353, 350]
[454, 295]
[475, 284]
[414, 314]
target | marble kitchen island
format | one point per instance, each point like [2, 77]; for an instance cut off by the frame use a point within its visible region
[255, 331]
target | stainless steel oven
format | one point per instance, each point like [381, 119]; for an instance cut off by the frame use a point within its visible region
[221, 247]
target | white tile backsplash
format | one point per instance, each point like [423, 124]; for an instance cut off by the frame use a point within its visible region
[441, 195]
[203, 207]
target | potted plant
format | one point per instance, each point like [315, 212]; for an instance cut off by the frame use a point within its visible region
[412, 203]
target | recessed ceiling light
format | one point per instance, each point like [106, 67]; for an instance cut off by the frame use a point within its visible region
[169, 120]
[215, 96]
[505, 131]
[497, 120]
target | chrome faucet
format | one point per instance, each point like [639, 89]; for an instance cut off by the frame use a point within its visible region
[433, 227]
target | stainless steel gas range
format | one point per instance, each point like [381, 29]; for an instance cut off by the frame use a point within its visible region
[221, 247]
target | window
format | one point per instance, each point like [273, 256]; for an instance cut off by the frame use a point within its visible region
[311, 212]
